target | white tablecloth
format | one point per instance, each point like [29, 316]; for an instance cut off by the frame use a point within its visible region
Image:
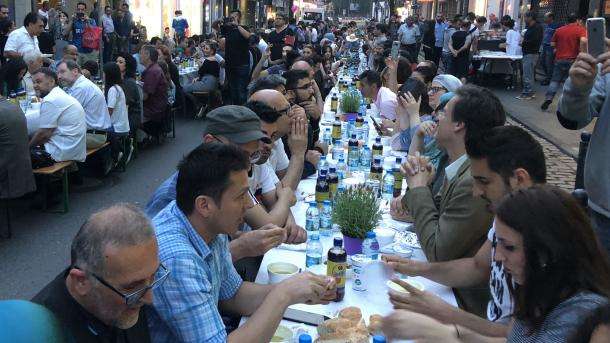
[496, 55]
[187, 75]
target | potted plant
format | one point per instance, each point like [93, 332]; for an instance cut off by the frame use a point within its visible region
[356, 211]
[350, 104]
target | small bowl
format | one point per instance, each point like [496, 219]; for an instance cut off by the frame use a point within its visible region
[280, 271]
[398, 288]
[384, 236]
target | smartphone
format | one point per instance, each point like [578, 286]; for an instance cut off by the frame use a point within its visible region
[377, 127]
[396, 49]
[596, 34]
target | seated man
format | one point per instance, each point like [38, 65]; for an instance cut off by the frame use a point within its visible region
[62, 122]
[453, 223]
[275, 82]
[211, 201]
[284, 64]
[279, 120]
[240, 126]
[33, 59]
[382, 97]
[506, 158]
[70, 53]
[114, 263]
[92, 99]
[154, 86]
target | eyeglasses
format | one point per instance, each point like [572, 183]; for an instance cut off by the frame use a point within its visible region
[133, 298]
[255, 156]
[434, 90]
[303, 87]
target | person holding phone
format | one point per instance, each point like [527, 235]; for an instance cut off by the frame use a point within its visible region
[585, 96]
[80, 21]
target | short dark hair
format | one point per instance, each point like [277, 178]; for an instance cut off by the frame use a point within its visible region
[81, 3]
[550, 15]
[418, 90]
[71, 65]
[572, 18]
[236, 10]
[562, 253]
[206, 171]
[507, 148]
[153, 54]
[293, 77]
[48, 72]
[267, 113]
[92, 66]
[383, 28]
[481, 19]
[371, 77]
[154, 40]
[428, 72]
[530, 14]
[31, 18]
[479, 109]
[266, 82]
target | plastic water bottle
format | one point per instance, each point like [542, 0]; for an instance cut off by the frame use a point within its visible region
[327, 137]
[338, 152]
[397, 177]
[388, 185]
[306, 338]
[326, 224]
[322, 165]
[312, 218]
[353, 154]
[351, 127]
[365, 131]
[341, 170]
[370, 246]
[314, 250]
[376, 339]
[365, 158]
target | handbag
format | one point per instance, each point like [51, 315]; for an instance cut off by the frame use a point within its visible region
[40, 158]
[91, 37]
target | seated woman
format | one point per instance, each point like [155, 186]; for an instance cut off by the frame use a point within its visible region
[412, 101]
[209, 71]
[560, 274]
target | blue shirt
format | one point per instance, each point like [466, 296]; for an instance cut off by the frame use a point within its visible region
[165, 194]
[180, 25]
[549, 31]
[439, 31]
[185, 306]
[78, 28]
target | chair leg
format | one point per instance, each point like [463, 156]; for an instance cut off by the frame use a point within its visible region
[64, 187]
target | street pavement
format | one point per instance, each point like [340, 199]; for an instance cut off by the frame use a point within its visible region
[40, 247]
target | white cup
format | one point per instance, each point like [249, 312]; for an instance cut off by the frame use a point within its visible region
[384, 236]
[280, 271]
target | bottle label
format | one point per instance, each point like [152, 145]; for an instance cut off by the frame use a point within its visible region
[336, 133]
[311, 224]
[337, 270]
[312, 260]
[320, 197]
[325, 222]
[375, 176]
[333, 189]
[333, 105]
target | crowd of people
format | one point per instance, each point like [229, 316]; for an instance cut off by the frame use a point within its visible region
[525, 261]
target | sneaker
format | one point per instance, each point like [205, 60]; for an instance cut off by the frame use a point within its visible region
[525, 97]
[545, 105]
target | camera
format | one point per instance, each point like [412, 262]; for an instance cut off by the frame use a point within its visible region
[228, 24]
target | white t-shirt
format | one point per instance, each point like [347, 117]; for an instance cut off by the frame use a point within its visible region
[63, 113]
[513, 39]
[263, 179]
[278, 158]
[92, 99]
[116, 101]
[314, 35]
[20, 41]
[500, 307]
[386, 103]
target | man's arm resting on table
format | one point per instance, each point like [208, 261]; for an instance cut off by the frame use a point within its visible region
[41, 136]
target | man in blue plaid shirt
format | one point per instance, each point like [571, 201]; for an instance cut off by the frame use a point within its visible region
[211, 200]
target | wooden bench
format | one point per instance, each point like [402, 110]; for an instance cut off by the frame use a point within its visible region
[60, 169]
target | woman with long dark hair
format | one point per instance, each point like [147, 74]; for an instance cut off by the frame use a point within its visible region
[133, 93]
[412, 101]
[117, 107]
[11, 74]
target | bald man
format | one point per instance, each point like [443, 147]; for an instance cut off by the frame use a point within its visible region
[69, 53]
[278, 120]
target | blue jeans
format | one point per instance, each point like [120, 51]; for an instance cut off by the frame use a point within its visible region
[447, 59]
[601, 226]
[238, 78]
[561, 70]
[529, 67]
[548, 59]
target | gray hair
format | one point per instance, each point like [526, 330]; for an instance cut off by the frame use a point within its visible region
[71, 65]
[266, 82]
[31, 56]
[120, 225]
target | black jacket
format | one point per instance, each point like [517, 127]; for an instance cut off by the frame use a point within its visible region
[532, 39]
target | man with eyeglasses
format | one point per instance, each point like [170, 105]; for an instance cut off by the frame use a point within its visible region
[240, 126]
[114, 267]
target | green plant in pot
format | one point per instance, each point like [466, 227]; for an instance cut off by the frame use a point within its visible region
[356, 211]
[350, 104]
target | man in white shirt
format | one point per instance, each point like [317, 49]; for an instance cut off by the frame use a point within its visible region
[383, 97]
[62, 120]
[43, 11]
[24, 38]
[92, 99]
[33, 59]
[408, 35]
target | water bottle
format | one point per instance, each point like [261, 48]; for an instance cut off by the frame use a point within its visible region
[338, 152]
[314, 250]
[370, 246]
[376, 339]
[351, 127]
[306, 338]
[397, 177]
[327, 137]
[326, 224]
[365, 158]
[353, 154]
[341, 171]
[312, 218]
[365, 131]
[388, 185]
[322, 165]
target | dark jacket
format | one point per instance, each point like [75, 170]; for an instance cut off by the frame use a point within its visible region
[532, 39]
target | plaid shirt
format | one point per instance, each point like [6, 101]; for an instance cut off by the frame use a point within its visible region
[186, 304]
[163, 196]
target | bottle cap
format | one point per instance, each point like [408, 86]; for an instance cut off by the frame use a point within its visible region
[323, 172]
[332, 170]
[353, 136]
[370, 234]
[341, 160]
[313, 203]
[398, 160]
[377, 160]
[323, 157]
[378, 139]
[306, 338]
[376, 339]
[326, 202]
[338, 242]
